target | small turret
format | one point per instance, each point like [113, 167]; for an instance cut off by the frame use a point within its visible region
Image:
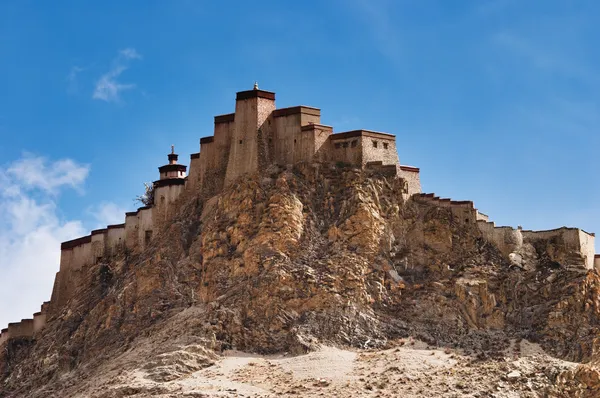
[173, 169]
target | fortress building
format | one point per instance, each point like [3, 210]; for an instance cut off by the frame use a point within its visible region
[254, 137]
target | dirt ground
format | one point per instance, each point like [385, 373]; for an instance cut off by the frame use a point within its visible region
[409, 369]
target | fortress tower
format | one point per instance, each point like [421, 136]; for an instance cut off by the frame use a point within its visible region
[169, 186]
[249, 143]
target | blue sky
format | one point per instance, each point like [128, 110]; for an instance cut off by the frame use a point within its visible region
[496, 101]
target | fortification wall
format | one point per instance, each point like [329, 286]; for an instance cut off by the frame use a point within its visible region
[588, 249]
[346, 148]
[506, 239]
[482, 217]
[288, 138]
[286, 132]
[98, 245]
[76, 254]
[313, 143]
[4, 336]
[115, 239]
[412, 177]
[193, 177]
[145, 226]
[164, 196]
[20, 329]
[217, 165]
[208, 157]
[252, 108]
[379, 147]
[39, 321]
[131, 229]
[597, 262]
[567, 240]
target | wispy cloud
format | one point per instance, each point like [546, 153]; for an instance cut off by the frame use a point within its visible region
[545, 56]
[108, 88]
[35, 172]
[107, 213]
[31, 231]
[72, 86]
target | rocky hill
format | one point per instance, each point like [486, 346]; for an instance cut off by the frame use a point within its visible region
[296, 261]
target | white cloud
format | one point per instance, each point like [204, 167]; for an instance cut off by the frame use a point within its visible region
[31, 231]
[107, 87]
[36, 173]
[107, 213]
[130, 53]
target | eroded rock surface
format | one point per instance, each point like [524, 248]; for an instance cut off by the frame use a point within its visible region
[292, 259]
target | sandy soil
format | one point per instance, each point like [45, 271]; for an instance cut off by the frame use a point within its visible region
[409, 369]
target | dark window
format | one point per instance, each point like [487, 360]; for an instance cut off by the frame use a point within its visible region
[294, 141]
[385, 145]
[147, 237]
[374, 144]
[338, 145]
[240, 141]
[345, 145]
[353, 143]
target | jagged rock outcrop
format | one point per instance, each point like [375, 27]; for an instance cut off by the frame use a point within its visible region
[288, 259]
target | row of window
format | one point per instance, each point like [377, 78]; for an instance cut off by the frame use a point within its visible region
[354, 143]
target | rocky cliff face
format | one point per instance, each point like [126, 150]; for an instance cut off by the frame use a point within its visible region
[292, 258]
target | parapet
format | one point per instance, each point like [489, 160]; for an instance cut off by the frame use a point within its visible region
[316, 126]
[413, 180]
[20, 329]
[70, 244]
[296, 110]
[169, 182]
[360, 133]
[249, 94]
[228, 118]
[410, 169]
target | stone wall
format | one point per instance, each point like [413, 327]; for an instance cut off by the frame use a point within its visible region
[115, 239]
[286, 136]
[145, 226]
[346, 148]
[166, 193]
[131, 229]
[506, 239]
[194, 171]
[482, 217]
[27, 327]
[412, 177]
[313, 143]
[252, 108]
[39, 321]
[588, 249]
[379, 147]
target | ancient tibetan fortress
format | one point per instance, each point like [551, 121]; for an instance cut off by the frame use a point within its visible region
[256, 136]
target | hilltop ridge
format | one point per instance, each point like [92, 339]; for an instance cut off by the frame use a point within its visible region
[291, 257]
